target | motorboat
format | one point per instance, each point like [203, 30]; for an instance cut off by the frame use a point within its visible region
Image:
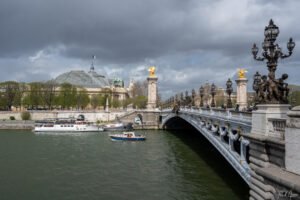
[66, 125]
[127, 136]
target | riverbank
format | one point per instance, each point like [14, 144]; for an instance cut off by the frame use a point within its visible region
[29, 125]
[150, 118]
[16, 124]
[92, 116]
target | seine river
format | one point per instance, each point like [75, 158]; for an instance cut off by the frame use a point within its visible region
[168, 165]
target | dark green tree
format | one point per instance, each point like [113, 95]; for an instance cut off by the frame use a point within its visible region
[82, 98]
[98, 100]
[126, 102]
[140, 102]
[116, 103]
[34, 98]
[48, 93]
[18, 99]
[67, 96]
[9, 92]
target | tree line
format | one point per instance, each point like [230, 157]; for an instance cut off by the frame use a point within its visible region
[49, 95]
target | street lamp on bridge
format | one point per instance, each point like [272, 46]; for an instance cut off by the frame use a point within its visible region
[181, 98]
[193, 97]
[186, 98]
[277, 90]
[213, 93]
[229, 91]
[201, 93]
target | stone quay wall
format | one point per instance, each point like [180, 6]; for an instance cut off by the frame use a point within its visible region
[92, 116]
[16, 124]
[150, 118]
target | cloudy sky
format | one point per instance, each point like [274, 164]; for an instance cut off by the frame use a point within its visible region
[190, 41]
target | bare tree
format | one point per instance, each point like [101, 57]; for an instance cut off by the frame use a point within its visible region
[139, 89]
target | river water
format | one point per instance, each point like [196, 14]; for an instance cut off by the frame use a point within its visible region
[167, 166]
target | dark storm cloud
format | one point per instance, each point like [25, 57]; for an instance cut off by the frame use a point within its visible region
[189, 41]
[125, 30]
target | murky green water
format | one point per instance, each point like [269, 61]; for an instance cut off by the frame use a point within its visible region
[91, 166]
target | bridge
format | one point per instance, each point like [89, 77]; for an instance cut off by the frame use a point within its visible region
[223, 129]
[259, 158]
[261, 145]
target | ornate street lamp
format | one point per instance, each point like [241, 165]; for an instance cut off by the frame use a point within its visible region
[275, 90]
[229, 91]
[213, 93]
[181, 98]
[193, 97]
[201, 92]
[186, 98]
[256, 85]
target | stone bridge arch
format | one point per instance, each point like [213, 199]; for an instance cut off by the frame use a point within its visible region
[220, 133]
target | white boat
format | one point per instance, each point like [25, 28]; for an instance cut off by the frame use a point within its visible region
[114, 127]
[66, 125]
[127, 136]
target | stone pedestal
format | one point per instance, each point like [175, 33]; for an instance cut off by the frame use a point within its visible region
[292, 141]
[241, 93]
[152, 92]
[270, 119]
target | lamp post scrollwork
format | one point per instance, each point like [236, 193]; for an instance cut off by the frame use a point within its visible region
[229, 92]
[275, 90]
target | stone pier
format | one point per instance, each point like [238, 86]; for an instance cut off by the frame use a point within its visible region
[241, 93]
[274, 153]
[152, 92]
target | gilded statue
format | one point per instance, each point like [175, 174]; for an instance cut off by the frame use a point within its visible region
[151, 71]
[242, 73]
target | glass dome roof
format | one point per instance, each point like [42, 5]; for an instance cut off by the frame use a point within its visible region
[85, 79]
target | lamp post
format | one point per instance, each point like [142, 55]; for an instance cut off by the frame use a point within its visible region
[276, 90]
[181, 99]
[255, 86]
[213, 93]
[229, 91]
[193, 97]
[186, 98]
[201, 92]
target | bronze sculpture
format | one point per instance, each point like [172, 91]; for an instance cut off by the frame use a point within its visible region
[269, 89]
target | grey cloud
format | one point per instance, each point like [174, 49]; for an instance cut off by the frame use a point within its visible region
[182, 37]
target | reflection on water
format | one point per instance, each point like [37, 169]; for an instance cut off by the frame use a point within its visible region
[90, 166]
